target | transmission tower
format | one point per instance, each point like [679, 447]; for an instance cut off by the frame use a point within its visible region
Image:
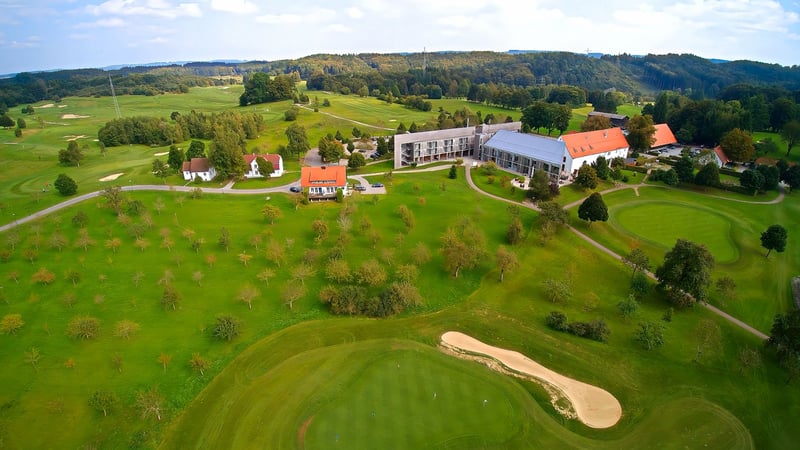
[114, 96]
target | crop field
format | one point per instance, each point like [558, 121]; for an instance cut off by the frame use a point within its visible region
[299, 377]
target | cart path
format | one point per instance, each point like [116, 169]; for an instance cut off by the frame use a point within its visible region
[618, 257]
[227, 189]
[299, 105]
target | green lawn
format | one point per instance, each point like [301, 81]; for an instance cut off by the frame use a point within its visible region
[664, 223]
[299, 373]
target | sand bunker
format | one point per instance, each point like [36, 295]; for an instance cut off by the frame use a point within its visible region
[49, 105]
[112, 177]
[161, 154]
[73, 116]
[593, 406]
[62, 106]
[73, 137]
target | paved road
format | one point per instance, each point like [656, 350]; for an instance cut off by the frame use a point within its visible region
[227, 189]
[614, 255]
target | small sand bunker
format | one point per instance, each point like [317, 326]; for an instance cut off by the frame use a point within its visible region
[49, 105]
[112, 177]
[595, 407]
[73, 137]
[73, 116]
[161, 154]
[62, 106]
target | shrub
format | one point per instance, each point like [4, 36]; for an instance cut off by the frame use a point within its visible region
[83, 327]
[557, 321]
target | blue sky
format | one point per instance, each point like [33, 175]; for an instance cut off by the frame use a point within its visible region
[50, 34]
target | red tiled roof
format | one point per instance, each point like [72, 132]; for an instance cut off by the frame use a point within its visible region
[594, 142]
[721, 155]
[274, 158]
[196, 165]
[663, 136]
[323, 176]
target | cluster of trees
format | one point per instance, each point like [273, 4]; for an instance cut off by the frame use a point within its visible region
[550, 116]
[749, 108]
[261, 88]
[355, 299]
[157, 131]
[596, 330]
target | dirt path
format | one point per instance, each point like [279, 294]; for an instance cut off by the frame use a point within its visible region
[593, 406]
[606, 250]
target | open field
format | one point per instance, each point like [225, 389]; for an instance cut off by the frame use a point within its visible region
[297, 377]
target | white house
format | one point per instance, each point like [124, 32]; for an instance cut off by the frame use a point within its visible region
[198, 167]
[585, 148]
[252, 165]
[321, 183]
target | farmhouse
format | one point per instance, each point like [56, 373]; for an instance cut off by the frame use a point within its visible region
[585, 148]
[720, 157]
[617, 120]
[198, 167]
[321, 183]
[431, 146]
[663, 136]
[252, 165]
[525, 153]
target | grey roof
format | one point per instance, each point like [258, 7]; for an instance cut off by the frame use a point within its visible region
[609, 115]
[532, 146]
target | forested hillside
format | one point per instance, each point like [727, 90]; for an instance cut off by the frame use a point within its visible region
[451, 73]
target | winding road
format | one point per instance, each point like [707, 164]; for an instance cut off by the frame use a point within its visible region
[227, 189]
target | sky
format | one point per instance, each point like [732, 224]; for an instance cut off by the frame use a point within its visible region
[68, 34]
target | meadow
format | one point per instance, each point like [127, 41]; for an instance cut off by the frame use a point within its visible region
[298, 377]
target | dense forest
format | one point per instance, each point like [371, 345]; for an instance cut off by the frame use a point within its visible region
[502, 78]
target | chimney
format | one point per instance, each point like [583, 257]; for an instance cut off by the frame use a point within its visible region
[605, 134]
[323, 167]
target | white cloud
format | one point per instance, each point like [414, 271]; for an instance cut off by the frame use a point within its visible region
[154, 8]
[456, 21]
[280, 18]
[355, 13]
[234, 6]
[158, 40]
[337, 28]
[80, 36]
[29, 42]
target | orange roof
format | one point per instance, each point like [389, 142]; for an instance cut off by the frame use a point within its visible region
[663, 136]
[594, 142]
[323, 176]
[723, 158]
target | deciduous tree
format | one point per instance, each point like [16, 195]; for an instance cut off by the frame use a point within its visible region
[641, 132]
[686, 272]
[227, 327]
[150, 403]
[103, 401]
[506, 261]
[587, 177]
[11, 324]
[83, 327]
[199, 363]
[637, 260]
[738, 145]
[65, 185]
[774, 238]
[593, 209]
[650, 335]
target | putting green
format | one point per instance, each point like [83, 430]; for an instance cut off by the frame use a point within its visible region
[414, 398]
[663, 223]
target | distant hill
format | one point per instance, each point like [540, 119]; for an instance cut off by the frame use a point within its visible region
[516, 68]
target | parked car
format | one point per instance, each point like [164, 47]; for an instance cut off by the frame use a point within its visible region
[360, 187]
[295, 189]
[377, 185]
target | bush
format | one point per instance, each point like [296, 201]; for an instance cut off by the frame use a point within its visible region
[557, 321]
[65, 185]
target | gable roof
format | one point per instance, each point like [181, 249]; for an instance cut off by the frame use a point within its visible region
[609, 115]
[721, 156]
[532, 146]
[663, 136]
[274, 158]
[196, 165]
[323, 176]
[594, 142]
